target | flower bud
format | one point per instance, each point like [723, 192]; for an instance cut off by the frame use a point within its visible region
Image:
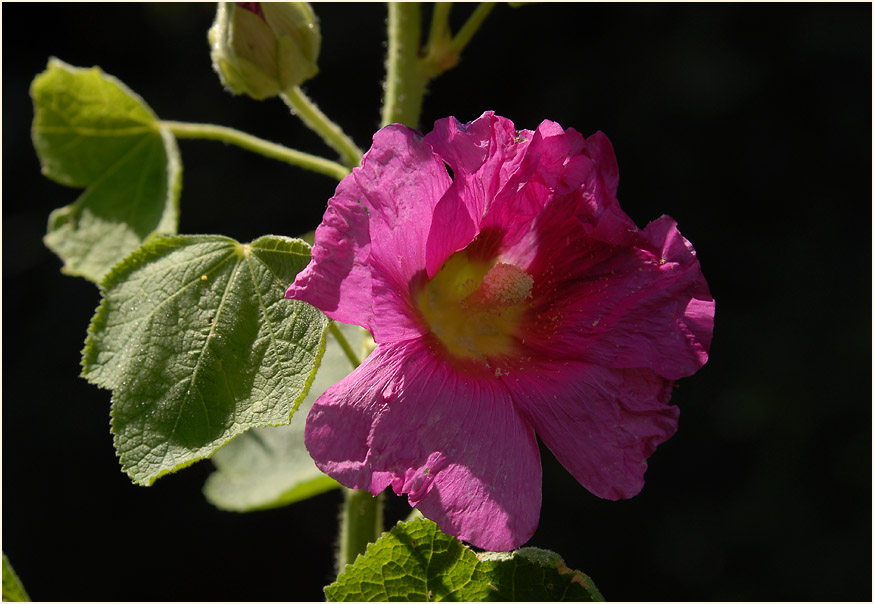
[264, 48]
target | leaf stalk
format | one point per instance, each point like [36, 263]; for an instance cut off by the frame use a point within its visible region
[301, 106]
[344, 344]
[257, 145]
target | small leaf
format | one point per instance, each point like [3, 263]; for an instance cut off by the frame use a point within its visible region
[13, 590]
[198, 344]
[91, 131]
[270, 467]
[416, 562]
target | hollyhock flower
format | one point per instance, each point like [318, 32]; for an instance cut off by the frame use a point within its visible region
[509, 296]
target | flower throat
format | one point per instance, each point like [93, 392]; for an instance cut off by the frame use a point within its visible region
[474, 307]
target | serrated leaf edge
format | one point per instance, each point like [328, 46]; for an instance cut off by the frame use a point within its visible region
[147, 252]
[538, 556]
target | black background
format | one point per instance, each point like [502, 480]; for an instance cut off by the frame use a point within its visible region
[748, 123]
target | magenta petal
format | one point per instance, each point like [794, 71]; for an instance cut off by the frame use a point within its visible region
[372, 240]
[453, 228]
[482, 155]
[452, 441]
[600, 150]
[576, 176]
[601, 424]
[639, 302]
[657, 309]
[551, 166]
[336, 280]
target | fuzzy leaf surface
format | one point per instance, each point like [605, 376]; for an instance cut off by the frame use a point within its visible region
[198, 344]
[270, 467]
[90, 131]
[416, 562]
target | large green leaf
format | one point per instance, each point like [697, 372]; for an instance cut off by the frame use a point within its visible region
[13, 590]
[91, 131]
[198, 344]
[415, 562]
[270, 467]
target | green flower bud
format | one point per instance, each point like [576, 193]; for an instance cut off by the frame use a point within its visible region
[264, 48]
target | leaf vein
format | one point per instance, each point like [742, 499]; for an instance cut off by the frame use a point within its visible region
[82, 132]
[194, 373]
[267, 321]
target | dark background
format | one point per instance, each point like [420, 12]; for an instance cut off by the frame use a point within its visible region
[748, 123]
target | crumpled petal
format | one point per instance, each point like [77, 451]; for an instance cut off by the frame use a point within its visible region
[553, 165]
[482, 154]
[601, 424]
[372, 240]
[640, 301]
[446, 436]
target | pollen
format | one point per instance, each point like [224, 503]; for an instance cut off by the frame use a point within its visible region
[506, 285]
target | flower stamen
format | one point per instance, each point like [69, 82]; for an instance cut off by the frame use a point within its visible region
[474, 308]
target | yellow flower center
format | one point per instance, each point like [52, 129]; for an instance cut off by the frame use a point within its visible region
[474, 307]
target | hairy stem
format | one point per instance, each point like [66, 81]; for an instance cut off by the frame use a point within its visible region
[405, 76]
[331, 133]
[257, 145]
[361, 524]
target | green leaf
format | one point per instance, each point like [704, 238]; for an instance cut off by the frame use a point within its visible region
[536, 575]
[198, 344]
[266, 468]
[91, 131]
[13, 590]
[415, 562]
[270, 467]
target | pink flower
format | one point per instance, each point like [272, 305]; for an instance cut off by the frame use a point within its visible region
[508, 295]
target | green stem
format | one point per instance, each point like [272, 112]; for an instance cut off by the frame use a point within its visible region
[331, 133]
[405, 76]
[344, 344]
[257, 145]
[439, 24]
[469, 28]
[361, 524]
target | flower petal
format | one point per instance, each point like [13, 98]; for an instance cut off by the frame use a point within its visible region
[601, 424]
[553, 165]
[639, 302]
[448, 437]
[482, 154]
[371, 242]
[338, 280]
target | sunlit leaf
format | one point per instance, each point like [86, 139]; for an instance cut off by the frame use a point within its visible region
[416, 562]
[270, 467]
[90, 131]
[198, 344]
